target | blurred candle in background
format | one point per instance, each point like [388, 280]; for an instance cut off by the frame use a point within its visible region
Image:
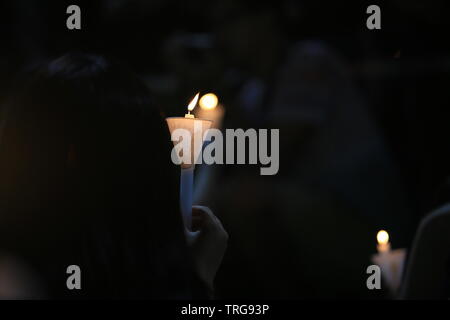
[383, 241]
[390, 261]
[211, 109]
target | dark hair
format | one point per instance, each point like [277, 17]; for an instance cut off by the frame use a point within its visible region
[86, 179]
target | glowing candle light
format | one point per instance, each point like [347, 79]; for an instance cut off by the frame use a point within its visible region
[208, 101]
[196, 128]
[191, 107]
[211, 109]
[383, 241]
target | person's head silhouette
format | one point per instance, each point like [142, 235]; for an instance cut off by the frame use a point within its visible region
[86, 179]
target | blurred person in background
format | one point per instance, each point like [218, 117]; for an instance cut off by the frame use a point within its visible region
[337, 183]
[87, 180]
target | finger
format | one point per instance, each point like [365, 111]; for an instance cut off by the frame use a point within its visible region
[204, 215]
[210, 214]
[210, 221]
[199, 218]
[190, 235]
[197, 223]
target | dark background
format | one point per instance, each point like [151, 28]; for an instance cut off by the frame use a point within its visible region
[375, 100]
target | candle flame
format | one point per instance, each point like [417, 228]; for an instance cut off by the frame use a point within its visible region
[208, 101]
[193, 103]
[382, 237]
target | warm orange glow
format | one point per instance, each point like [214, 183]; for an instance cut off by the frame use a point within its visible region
[193, 103]
[382, 237]
[208, 101]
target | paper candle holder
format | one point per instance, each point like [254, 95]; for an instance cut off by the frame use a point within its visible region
[197, 128]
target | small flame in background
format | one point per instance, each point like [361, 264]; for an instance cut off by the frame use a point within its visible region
[382, 237]
[193, 103]
[208, 101]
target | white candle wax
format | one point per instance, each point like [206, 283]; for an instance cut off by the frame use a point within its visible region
[186, 194]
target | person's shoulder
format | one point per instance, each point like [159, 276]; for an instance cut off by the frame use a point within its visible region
[17, 280]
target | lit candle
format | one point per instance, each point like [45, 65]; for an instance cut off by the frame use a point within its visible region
[390, 261]
[211, 109]
[196, 128]
[383, 241]
[191, 107]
